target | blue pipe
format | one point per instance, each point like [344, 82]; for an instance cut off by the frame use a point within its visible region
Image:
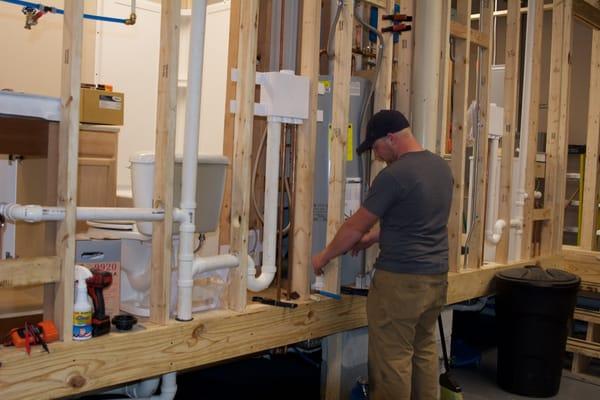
[41, 7]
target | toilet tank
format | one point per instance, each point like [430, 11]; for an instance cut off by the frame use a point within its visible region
[210, 184]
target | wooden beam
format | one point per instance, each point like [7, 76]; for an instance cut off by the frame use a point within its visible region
[166, 117]
[584, 263]
[511, 92]
[339, 128]
[228, 129]
[382, 100]
[563, 127]
[480, 162]
[68, 143]
[590, 183]
[305, 153]
[444, 110]
[459, 136]
[552, 180]
[151, 349]
[584, 347]
[29, 271]
[404, 58]
[337, 179]
[587, 13]
[244, 117]
[473, 283]
[532, 130]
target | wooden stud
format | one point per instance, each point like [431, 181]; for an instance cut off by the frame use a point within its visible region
[382, 100]
[166, 117]
[68, 143]
[339, 127]
[562, 133]
[550, 229]
[234, 34]
[590, 185]
[459, 137]
[532, 131]
[477, 235]
[404, 70]
[306, 142]
[337, 179]
[244, 117]
[445, 86]
[511, 92]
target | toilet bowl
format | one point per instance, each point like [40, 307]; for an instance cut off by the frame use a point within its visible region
[136, 238]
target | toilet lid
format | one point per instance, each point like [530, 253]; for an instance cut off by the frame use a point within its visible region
[115, 225]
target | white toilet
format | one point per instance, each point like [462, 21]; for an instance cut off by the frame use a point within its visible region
[136, 238]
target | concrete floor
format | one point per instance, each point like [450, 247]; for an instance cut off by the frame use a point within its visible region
[480, 384]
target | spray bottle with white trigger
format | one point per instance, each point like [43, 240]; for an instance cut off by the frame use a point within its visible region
[82, 309]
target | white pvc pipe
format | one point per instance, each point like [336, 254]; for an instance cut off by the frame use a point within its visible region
[37, 213]
[428, 47]
[525, 111]
[270, 221]
[213, 263]
[493, 227]
[187, 227]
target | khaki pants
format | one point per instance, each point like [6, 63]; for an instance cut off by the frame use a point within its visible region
[402, 311]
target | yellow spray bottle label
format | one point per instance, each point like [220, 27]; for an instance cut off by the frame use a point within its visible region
[82, 325]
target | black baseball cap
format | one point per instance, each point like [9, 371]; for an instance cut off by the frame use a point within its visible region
[380, 124]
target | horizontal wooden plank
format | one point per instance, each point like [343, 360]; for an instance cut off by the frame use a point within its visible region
[149, 350]
[479, 282]
[541, 214]
[585, 264]
[29, 271]
[479, 38]
[584, 347]
[581, 314]
[73, 368]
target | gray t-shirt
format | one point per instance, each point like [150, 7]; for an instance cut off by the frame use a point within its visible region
[412, 198]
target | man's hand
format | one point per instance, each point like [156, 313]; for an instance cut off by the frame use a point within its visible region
[318, 263]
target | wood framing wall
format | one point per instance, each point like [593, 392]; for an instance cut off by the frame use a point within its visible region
[165, 345]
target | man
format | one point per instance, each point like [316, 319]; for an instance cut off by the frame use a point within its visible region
[411, 200]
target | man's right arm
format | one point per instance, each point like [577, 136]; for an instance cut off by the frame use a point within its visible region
[368, 240]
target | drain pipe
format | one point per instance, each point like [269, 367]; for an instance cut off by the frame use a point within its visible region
[144, 390]
[493, 227]
[187, 227]
[36, 213]
[268, 269]
[517, 222]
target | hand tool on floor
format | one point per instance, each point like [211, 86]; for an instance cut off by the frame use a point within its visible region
[99, 281]
[41, 333]
[331, 295]
[449, 388]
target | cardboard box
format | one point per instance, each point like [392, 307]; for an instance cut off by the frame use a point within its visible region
[104, 255]
[101, 107]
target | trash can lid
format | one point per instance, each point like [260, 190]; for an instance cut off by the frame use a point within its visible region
[538, 276]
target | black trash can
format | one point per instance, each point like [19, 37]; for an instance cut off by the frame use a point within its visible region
[533, 309]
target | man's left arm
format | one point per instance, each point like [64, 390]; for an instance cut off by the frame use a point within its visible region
[351, 231]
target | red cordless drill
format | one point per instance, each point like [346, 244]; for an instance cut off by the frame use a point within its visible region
[95, 285]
